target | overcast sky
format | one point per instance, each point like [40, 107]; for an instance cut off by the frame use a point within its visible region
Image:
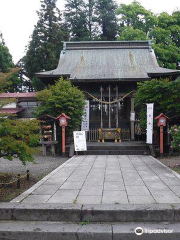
[18, 17]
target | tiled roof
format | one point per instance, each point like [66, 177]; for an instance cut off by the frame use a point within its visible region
[11, 110]
[101, 61]
[18, 95]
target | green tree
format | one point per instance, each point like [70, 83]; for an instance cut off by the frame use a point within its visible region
[59, 98]
[18, 139]
[165, 37]
[136, 16]
[9, 80]
[46, 43]
[76, 17]
[163, 93]
[137, 23]
[5, 57]
[131, 34]
[105, 11]
[90, 6]
[9, 75]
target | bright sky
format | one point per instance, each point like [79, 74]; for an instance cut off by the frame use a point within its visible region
[18, 17]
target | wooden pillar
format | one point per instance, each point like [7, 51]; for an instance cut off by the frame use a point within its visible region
[63, 141]
[109, 106]
[117, 120]
[132, 113]
[101, 108]
[161, 141]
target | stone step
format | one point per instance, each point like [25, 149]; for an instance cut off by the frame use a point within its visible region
[90, 213]
[116, 147]
[117, 152]
[33, 230]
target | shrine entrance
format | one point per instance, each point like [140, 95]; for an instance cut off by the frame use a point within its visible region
[110, 110]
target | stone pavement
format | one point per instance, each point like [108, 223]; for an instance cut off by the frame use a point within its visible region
[110, 179]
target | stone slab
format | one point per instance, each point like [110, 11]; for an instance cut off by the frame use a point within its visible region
[127, 231]
[47, 212]
[128, 213]
[89, 199]
[64, 196]
[137, 191]
[114, 197]
[95, 232]
[34, 230]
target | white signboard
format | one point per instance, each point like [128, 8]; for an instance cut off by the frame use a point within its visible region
[85, 118]
[149, 131]
[132, 116]
[80, 141]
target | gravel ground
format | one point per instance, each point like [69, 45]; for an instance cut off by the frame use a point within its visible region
[170, 161]
[42, 166]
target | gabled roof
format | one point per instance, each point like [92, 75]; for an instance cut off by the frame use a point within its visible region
[101, 61]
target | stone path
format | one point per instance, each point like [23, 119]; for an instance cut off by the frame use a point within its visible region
[119, 179]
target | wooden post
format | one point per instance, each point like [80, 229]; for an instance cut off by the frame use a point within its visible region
[101, 108]
[27, 177]
[63, 141]
[109, 106]
[117, 120]
[18, 182]
[161, 141]
[132, 122]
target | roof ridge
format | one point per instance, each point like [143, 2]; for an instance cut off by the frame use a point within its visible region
[106, 45]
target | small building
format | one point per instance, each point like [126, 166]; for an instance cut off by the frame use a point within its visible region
[108, 73]
[23, 104]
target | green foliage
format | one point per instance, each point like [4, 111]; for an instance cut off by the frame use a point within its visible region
[105, 11]
[163, 93]
[9, 80]
[132, 34]
[18, 139]
[137, 23]
[175, 133]
[46, 43]
[62, 97]
[91, 19]
[136, 16]
[76, 20]
[6, 62]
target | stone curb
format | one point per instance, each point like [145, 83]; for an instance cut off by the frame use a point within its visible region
[12, 230]
[90, 213]
[38, 184]
[166, 167]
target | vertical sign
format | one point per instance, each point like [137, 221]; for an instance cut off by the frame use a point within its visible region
[85, 117]
[149, 131]
[80, 141]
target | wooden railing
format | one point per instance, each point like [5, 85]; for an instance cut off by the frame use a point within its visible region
[93, 134]
[125, 134]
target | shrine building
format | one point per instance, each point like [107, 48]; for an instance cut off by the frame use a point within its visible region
[108, 73]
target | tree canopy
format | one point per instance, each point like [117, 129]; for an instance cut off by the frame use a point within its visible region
[44, 48]
[62, 97]
[76, 20]
[137, 23]
[163, 93]
[18, 138]
[6, 62]
[86, 20]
